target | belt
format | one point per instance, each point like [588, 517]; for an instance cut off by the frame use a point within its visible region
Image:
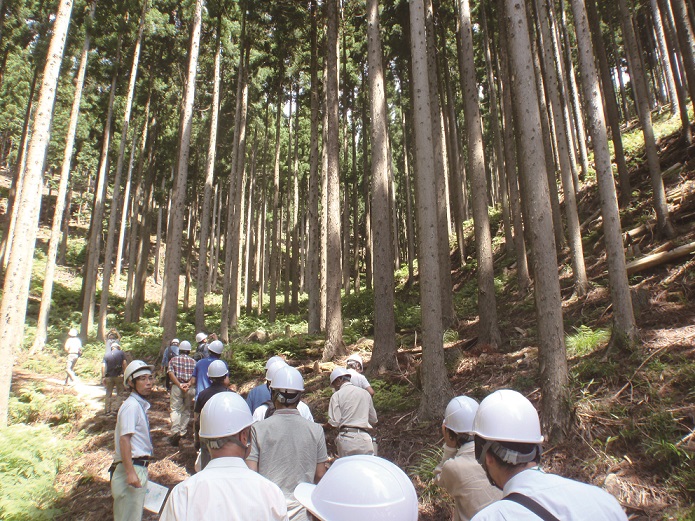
[353, 429]
[142, 462]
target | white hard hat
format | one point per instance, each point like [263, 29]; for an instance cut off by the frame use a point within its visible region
[460, 413]
[216, 347]
[72, 332]
[273, 368]
[217, 369]
[200, 337]
[185, 346]
[225, 414]
[175, 341]
[355, 358]
[136, 368]
[338, 372]
[287, 378]
[272, 360]
[367, 488]
[507, 415]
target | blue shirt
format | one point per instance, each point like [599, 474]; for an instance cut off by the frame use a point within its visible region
[200, 373]
[258, 396]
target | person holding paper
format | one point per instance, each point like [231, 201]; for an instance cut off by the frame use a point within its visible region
[133, 445]
[226, 489]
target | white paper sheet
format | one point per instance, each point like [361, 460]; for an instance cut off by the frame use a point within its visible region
[155, 496]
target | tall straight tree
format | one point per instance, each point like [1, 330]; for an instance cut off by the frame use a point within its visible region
[313, 283]
[384, 354]
[624, 329]
[334, 317]
[15, 291]
[207, 192]
[172, 262]
[639, 84]
[553, 361]
[488, 328]
[115, 202]
[436, 387]
[42, 322]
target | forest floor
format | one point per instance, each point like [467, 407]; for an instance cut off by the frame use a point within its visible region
[633, 413]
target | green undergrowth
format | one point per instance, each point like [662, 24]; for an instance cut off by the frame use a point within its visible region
[393, 397]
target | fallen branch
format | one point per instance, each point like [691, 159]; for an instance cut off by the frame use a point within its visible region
[629, 381]
[659, 258]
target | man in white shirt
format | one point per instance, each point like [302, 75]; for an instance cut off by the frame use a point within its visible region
[73, 347]
[133, 445]
[226, 489]
[351, 410]
[508, 446]
[355, 367]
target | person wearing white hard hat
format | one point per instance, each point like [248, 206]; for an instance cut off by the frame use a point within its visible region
[112, 336]
[112, 367]
[73, 347]
[355, 367]
[459, 473]
[133, 445]
[170, 352]
[361, 488]
[351, 410]
[508, 445]
[286, 448]
[226, 490]
[182, 393]
[267, 409]
[201, 349]
[261, 393]
[219, 382]
[200, 373]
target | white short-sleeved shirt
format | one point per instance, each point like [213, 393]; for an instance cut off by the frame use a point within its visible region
[132, 419]
[358, 379]
[226, 490]
[566, 499]
[259, 413]
[73, 345]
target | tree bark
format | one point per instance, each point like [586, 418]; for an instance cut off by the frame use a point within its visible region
[15, 293]
[553, 362]
[436, 387]
[274, 234]
[172, 265]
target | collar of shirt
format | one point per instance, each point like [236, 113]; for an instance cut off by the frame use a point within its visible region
[143, 403]
[226, 462]
[519, 479]
[286, 411]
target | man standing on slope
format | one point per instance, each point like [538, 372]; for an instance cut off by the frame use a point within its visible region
[351, 410]
[200, 373]
[355, 367]
[219, 382]
[73, 347]
[286, 448]
[226, 490]
[182, 393]
[112, 369]
[459, 473]
[133, 445]
[508, 446]
[261, 393]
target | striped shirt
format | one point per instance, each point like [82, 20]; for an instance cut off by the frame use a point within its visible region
[182, 366]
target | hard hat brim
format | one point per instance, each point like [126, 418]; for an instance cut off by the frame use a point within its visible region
[302, 493]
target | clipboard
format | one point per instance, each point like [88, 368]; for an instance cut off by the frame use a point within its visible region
[155, 495]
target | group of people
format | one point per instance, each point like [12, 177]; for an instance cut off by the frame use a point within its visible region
[264, 458]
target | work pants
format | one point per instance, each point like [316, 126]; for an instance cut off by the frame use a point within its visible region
[110, 382]
[181, 407]
[351, 443]
[128, 501]
[70, 369]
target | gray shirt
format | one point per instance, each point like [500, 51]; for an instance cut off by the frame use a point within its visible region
[287, 449]
[351, 406]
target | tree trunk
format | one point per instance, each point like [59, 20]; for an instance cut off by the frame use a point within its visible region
[384, 352]
[115, 203]
[44, 310]
[207, 193]
[313, 284]
[611, 103]
[686, 39]
[408, 198]
[436, 387]
[89, 281]
[274, 234]
[624, 329]
[552, 355]
[488, 327]
[18, 276]
[334, 346]
[639, 85]
[172, 263]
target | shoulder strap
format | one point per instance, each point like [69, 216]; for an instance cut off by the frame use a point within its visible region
[532, 505]
[270, 410]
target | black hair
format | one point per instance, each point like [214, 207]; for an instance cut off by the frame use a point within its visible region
[218, 379]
